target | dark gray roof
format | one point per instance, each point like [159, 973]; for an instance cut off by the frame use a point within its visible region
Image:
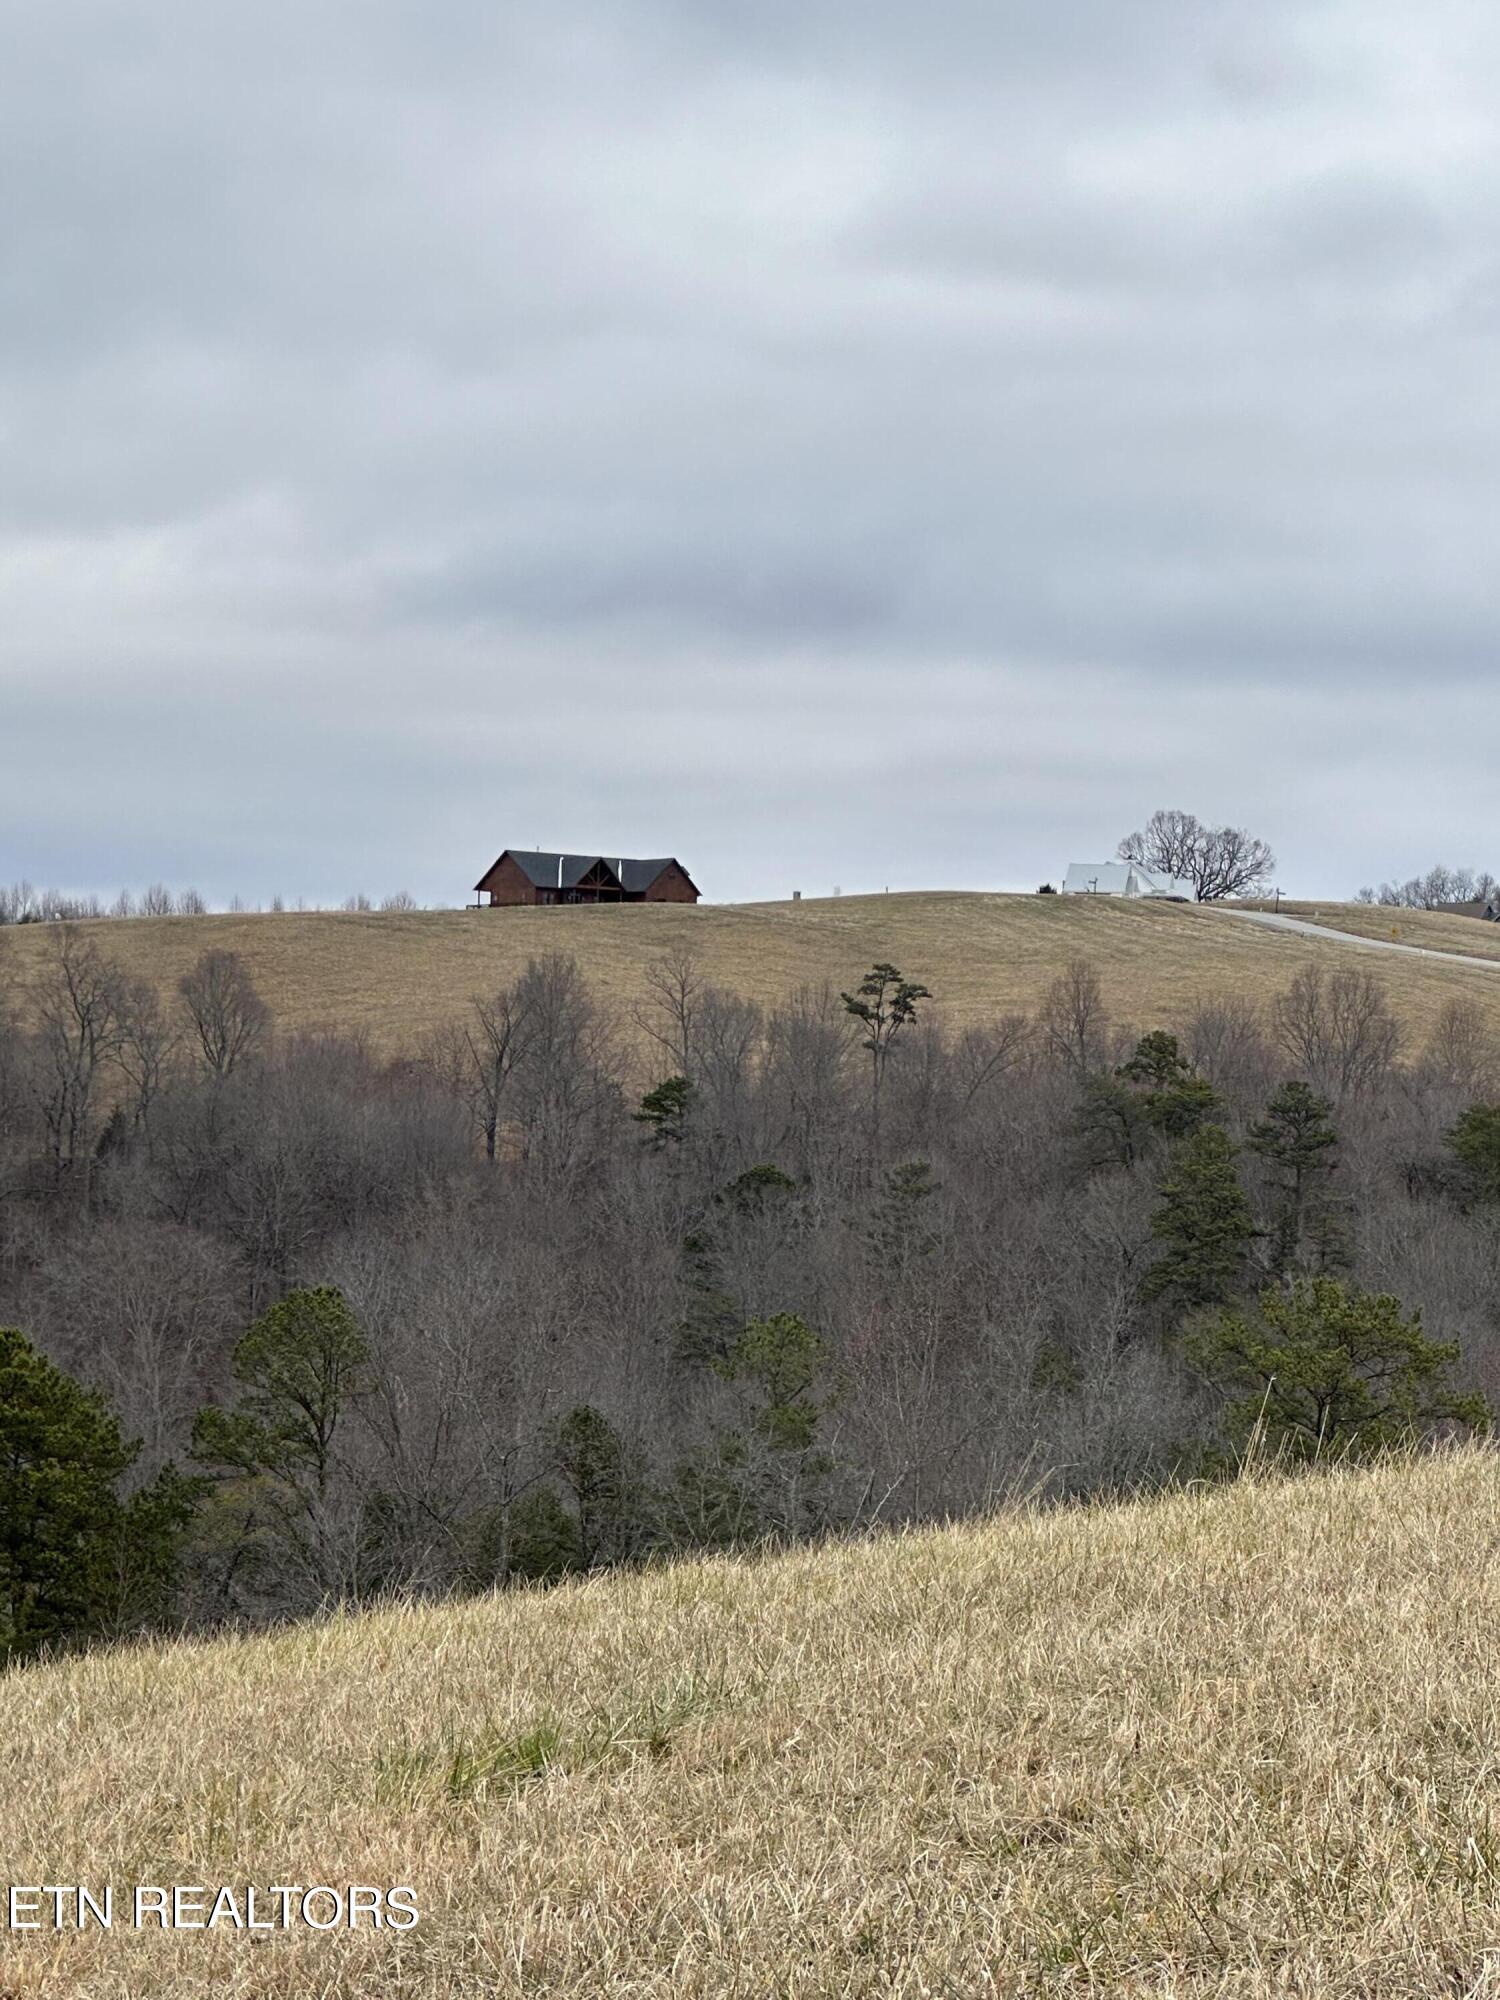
[566, 871]
[640, 874]
[552, 871]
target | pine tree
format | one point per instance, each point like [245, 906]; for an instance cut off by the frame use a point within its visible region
[1329, 1368]
[883, 1004]
[1476, 1141]
[299, 1367]
[76, 1561]
[1175, 1100]
[1297, 1140]
[782, 1366]
[665, 1110]
[609, 1497]
[1154, 1091]
[1204, 1224]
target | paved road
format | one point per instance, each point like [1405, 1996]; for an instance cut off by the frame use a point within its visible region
[1360, 943]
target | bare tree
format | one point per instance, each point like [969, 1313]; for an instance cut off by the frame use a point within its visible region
[157, 901]
[12, 1067]
[1169, 841]
[1337, 1029]
[808, 1052]
[229, 1017]
[1231, 862]
[491, 1046]
[146, 1309]
[1439, 886]
[985, 1054]
[1226, 1041]
[1072, 1019]
[567, 1087]
[1218, 861]
[17, 902]
[1461, 1051]
[726, 1036]
[674, 987]
[148, 1039]
[78, 1008]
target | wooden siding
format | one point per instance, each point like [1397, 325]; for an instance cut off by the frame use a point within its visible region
[507, 884]
[671, 886]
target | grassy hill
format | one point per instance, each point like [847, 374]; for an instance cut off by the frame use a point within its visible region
[397, 975]
[1428, 930]
[1231, 1742]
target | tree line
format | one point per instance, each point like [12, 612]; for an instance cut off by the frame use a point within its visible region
[1434, 890]
[23, 903]
[297, 1322]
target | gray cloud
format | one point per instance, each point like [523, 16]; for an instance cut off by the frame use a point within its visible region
[843, 444]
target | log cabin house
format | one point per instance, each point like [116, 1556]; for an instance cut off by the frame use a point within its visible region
[526, 875]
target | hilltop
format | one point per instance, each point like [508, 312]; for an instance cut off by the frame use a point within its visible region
[1232, 1742]
[397, 975]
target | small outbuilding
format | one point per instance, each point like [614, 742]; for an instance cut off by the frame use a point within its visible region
[527, 875]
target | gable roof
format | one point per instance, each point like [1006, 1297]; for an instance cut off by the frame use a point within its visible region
[1121, 878]
[566, 871]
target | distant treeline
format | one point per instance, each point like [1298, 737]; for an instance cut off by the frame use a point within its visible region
[1438, 887]
[295, 1323]
[21, 903]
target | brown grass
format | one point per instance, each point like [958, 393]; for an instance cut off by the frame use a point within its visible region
[398, 975]
[1239, 1742]
[1428, 930]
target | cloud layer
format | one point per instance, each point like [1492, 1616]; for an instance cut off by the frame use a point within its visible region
[852, 444]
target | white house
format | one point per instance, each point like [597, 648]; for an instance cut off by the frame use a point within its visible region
[1123, 878]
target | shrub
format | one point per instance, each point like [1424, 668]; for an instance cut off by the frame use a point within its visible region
[1328, 1368]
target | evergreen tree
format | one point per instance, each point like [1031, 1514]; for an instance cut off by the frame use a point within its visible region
[665, 1111]
[782, 1358]
[884, 1004]
[1173, 1099]
[609, 1497]
[772, 1476]
[1154, 1091]
[1203, 1223]
[1298, 1141]
[299, 1367]
[1329, 1368]
[1476, 1141]
[750, 1192]
[76, 1560]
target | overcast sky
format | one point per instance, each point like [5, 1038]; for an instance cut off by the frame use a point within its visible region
[834, 441]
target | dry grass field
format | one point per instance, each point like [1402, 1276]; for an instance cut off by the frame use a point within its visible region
[1237, 1742]
[398, 975]
[1428, 930]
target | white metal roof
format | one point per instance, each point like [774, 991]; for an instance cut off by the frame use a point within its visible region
[1121, 878]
